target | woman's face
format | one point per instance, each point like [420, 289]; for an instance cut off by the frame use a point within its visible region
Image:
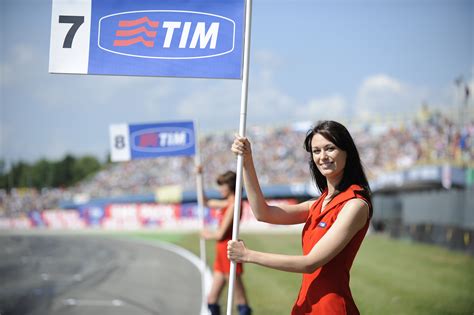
[224, 190]
[329, 159]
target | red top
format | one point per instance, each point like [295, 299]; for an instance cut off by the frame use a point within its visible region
[220, 218]
[326, 291]
[221, 262]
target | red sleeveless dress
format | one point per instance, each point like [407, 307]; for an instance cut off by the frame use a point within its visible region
[326, 291]
[221, 262]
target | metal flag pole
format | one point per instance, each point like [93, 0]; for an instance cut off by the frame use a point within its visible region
[242, 127]
[202, 242]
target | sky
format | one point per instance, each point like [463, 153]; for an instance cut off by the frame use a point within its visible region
[310, 60]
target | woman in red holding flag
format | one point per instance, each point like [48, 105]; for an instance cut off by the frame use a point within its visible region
[222, 235]
[335, 223]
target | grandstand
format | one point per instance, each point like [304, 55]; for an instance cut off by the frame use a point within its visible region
[415, 164]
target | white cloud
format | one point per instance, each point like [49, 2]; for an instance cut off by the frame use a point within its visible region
[270, 104]
[266, 63]
[381, 82]
[384, 95]
[215, 106]
[24, 53]
[332, 107]
[100, 91]
[22, 72]
[18, 64]
[273, 104]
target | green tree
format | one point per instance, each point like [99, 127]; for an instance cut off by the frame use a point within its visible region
[45, 173]
[21, 174]
[42, 174]
[63, 174]
[84, 167]
[3, 175]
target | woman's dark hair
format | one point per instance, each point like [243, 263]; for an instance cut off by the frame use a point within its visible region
[228, 178]
[353, 171]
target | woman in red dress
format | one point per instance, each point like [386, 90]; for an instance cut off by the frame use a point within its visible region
[222, 235]
[335, 224]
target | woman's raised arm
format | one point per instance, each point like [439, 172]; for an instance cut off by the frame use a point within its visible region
[284, 214]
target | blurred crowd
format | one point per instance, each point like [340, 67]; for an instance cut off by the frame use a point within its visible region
[280, 158]
[21, 200]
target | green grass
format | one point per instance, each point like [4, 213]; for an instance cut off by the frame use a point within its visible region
[388, 276]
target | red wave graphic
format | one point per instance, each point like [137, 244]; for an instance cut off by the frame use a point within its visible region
[145, 19]
[136, 31]
[132, 41]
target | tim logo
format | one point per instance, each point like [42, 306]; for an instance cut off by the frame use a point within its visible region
[163, 139]
[134, 32]
[166, 34]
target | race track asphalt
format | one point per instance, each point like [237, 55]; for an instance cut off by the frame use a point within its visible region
[93, 274]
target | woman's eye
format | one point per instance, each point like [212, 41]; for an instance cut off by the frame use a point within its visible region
[316, 151]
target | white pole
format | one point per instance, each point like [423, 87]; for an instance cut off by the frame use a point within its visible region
[242, 127]
[202, 242]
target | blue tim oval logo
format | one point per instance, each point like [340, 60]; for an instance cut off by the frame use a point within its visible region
[166, 34]
[160, 140]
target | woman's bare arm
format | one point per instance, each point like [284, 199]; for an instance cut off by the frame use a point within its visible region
[284, 214]
[350, 220]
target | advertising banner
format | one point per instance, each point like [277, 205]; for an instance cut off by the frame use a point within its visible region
[129, 142]
[177, 38]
